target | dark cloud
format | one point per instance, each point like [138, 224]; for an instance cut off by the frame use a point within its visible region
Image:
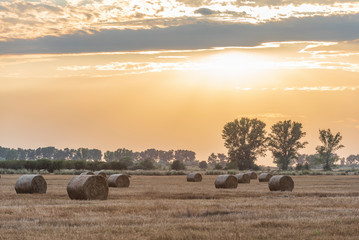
[205, 11]
[193, 36]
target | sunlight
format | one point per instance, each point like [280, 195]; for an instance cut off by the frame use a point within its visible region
[234, 68]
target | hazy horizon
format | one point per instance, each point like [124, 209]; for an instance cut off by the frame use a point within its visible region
[169, 75]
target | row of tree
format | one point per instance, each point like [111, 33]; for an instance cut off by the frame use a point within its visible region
[246, 139]
[50, 153]
[164, 158]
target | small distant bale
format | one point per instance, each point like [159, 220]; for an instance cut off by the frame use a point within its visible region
[243, 178]
[101, 173]
[194, 177]
[281, 183]
[264, 177]
[31, 183]
[226, 181]
[252, 175]
[88, 187]
[118, 180]
[87, 173]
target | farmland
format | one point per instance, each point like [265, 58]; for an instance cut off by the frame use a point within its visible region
[168, 207]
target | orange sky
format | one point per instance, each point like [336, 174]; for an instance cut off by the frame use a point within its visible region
[176, 100]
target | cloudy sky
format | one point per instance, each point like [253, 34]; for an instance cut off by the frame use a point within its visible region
[168, 74]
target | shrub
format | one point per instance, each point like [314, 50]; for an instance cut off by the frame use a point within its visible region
[177, 165]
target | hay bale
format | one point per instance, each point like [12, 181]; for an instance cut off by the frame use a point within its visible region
[118, 180]
[31, 183]
[194, 177]
[88, 187]
[264, 177]
[101, 173]
[243, 178]
[87, 173]
[252, 175]
[281, 183]
[226, 181]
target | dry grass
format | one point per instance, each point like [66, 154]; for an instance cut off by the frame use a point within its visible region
[320, 207]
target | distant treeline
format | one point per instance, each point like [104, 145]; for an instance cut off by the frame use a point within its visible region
[95, 155]
[52, 165]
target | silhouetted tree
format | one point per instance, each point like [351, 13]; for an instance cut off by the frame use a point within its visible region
[284, 142]
[203, 165]
[245, 140]
[177, 165]
[331, 143]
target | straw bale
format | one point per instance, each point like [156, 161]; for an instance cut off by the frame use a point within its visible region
[118, 180]
[281, 183]
[243, 178]
[226, 181]
[253, 175]
[194, 177]
[31, 183]
[264, 177]
[88, 187]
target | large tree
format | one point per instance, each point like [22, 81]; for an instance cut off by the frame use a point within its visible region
[284, 142]
[245, 140]
[330, 144]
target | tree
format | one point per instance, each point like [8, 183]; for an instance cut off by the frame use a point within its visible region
[331, 143]
[11, 154]
[284, 142]
[203, 165]
[245, 140]
[185, 156]
[147, 164]
[177, 165]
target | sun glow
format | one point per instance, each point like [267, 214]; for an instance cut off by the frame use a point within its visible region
[235, 69]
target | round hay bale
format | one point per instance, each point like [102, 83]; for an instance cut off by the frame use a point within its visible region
[101, 173]
[226, 181]
[87, 173]
[252, 175]
[264, 177]
[194, 177]
[118, 180]
[281, 183]
[31, 183]
[243, 178]
[87, 187]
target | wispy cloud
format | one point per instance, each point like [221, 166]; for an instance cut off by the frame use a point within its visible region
[186, 61]
[322, 88]
[273, 115]
[137, 67]
[73, 68]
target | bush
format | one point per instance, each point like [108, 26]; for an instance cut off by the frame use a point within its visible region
[147, 164]
[177, 165]
[232, 165]
[203, 165]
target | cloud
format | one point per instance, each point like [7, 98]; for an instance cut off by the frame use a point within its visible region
[36, 19]
[272, 115]
[126, 68]
[73, 68]
[323, 88]
[205, 11]
[192, 36]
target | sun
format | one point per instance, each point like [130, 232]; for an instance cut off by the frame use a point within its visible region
[234, 68]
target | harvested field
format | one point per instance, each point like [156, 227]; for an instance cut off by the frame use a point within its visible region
[166, 207]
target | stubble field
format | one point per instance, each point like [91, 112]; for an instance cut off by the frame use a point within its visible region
[168, 207]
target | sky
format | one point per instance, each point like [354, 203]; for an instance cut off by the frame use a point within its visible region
[169, 74]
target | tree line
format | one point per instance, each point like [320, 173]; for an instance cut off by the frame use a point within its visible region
[246, 139]
[67, 158]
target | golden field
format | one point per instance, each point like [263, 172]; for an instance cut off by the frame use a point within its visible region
[169, 207]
